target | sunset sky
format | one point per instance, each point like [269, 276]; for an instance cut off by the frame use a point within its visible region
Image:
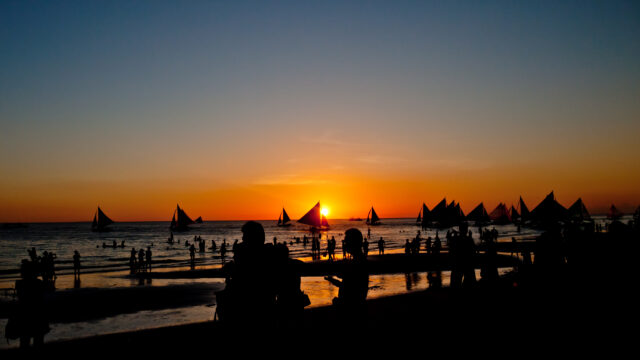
[235, 109]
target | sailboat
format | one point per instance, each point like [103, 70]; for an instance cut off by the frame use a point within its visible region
[614, 213]
[284, 219]
[578, 212]
[372, 217]
[500, 215]
[100, 221]
[315, 219]
[199, 220]
[180, 220]
[479, 215]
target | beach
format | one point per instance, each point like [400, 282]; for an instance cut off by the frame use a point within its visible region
[116, 302]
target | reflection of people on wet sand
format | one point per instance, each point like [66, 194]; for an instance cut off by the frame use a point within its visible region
[353, 288]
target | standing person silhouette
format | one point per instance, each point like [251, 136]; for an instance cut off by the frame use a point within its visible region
[132, 260]
[381, 246]
[141, 266]
[192, 254]
[354, 286]
[148, 258]
[76, 264]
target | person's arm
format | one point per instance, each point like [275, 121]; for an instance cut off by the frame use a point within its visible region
[333, 281]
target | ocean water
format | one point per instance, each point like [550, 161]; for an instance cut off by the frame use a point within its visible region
[63, 238]
[108, 268]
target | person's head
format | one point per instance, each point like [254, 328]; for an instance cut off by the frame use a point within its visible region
[253, 233]
[281, 251]
[353, 241]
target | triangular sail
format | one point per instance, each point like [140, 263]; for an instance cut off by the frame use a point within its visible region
[524, 211]
[183, 218]
[312, 217]
[438, 214]
[419, 218]
[100, 220]
[514, 213]
[199, 220]
[426, 215]
[374, 217]
[614, 213]
[549, 211]
[325, 223]
[285, 216]
[280, 219]
[173, 221]
[500, 215]
[578, 212]
[479, 214]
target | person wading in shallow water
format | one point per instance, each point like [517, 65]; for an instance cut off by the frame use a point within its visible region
[76, 264]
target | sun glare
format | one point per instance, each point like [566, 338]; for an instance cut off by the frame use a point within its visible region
[324, 211]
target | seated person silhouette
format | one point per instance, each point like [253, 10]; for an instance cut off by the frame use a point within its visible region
[249, 297]
[354, 283]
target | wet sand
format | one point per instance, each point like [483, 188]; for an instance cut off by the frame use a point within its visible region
[433, 313]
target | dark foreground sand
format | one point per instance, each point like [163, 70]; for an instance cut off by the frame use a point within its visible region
[501, 310]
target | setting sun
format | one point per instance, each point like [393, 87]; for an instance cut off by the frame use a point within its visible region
[324, 211]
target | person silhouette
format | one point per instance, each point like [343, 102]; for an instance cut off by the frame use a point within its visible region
[30, 319]
[76, 264]
[249, 298]
[381, 246]
[141, 265]
[354, 286]
[132, 260]
[192, 253]
[148, 257]
[290, 300]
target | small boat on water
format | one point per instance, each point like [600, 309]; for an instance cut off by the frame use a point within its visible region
[180, 220]
[372, 217]
[199, 220]
[100, 221]
[284, 219]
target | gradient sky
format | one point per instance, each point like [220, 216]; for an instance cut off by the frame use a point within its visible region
[234, 109]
